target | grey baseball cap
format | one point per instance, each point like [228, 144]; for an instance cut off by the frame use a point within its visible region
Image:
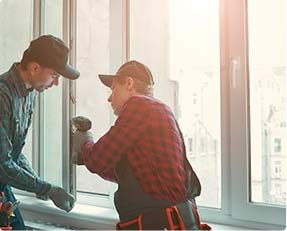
[52, 52]
[132, 69]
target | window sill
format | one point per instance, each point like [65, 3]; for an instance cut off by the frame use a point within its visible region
[82, 216]
[91, 217]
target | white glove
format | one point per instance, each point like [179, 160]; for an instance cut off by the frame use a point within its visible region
[61, 198]
[78, 139]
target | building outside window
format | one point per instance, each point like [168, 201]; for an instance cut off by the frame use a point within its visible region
[277, 145]
[277, 169]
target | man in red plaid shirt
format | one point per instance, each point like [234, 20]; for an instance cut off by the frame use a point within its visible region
[144, 153]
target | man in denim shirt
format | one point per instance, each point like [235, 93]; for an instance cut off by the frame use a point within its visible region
[42, 63]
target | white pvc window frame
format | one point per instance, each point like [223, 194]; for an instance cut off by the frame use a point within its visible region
[236, 206]
[242, 208]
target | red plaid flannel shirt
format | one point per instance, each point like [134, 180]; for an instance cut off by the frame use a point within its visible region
[147, 134]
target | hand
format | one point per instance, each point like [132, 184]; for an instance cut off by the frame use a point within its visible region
[77, 159]
[79, 138]
[61, 198]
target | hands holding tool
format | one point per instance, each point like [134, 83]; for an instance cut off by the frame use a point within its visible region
[80, 136]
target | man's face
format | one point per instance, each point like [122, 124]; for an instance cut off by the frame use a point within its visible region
[120, 94]
[44, 78]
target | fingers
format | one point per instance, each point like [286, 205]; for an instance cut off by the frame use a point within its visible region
[69, 203]
[61, 198]
[78, 159]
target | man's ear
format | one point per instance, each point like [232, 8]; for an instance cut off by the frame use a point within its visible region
[130, 83]
[34, 68]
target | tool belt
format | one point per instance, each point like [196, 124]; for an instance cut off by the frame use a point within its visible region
[5, 213]
[183, 216]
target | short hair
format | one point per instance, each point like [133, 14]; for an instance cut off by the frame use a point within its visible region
[141, 87]
[26, 59]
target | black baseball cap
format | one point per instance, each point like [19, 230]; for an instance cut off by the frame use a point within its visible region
[52, 52]
[132, 69]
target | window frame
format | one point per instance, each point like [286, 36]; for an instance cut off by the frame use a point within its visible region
[236, 208]
[242, 208]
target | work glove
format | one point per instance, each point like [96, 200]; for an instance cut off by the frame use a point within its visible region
[61, 198]
[78, 140]
[42, 197]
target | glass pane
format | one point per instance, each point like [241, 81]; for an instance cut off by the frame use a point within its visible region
[267, 76]
[186, 65]
[15, 37]
[93, 34]
[52, 14]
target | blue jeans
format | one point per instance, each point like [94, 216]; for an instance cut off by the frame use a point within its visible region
[16, 222]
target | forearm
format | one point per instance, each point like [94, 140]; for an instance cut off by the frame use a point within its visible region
[17, 175]
[20, 178]
[96, 167]
[24, 163]
[109, 176]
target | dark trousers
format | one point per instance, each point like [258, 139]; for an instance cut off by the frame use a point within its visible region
[182, 216]
[17, 221]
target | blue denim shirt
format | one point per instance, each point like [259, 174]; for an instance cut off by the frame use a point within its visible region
[16, 109]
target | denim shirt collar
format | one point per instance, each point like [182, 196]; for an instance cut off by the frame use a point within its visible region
[18, 81]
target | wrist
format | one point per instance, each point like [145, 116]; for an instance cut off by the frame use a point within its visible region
[45, 190]
[88, 143]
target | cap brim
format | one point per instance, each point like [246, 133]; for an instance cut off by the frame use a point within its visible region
[69, 72]
[107, 79]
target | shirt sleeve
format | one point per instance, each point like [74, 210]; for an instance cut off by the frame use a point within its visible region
[101, 157]
[24, 163]
[10, 172]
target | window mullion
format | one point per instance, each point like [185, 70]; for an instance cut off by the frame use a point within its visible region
[69, 31]
[37, 161]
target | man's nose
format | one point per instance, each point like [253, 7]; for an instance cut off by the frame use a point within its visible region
[110, 98]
